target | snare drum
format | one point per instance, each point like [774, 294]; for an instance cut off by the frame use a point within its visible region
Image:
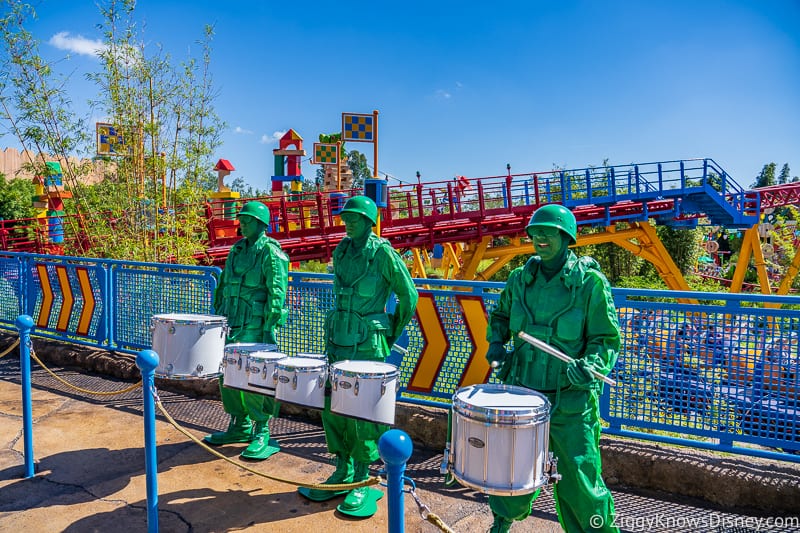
[500, 439]
[364, 390]
[301, 380]
[261, 373]
[188, 346]
[236, 364]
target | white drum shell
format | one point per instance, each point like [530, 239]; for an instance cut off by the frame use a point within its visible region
[236, 364]
[188, 345]
[499, 439]
[261, 371]
[366, 390]
[301, 381]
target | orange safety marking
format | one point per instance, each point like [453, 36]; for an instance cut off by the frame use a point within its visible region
[88, 301]
[477, 369]
[435, 345]
[47, 297]
[68, 301]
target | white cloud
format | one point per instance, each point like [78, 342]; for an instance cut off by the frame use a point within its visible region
[78, 44]
[239, 129]
[269, 139]
[442, 94]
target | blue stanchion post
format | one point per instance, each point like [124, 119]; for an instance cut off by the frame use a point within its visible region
[395, 448]
[147, 361]
[24, 325]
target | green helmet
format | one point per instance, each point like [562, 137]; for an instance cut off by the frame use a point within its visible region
[256, 210]
[363, 206]
[555, 216]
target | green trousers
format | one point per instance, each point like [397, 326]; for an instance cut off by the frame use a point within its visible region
[582, 500]
[239, 403]
[350, 437]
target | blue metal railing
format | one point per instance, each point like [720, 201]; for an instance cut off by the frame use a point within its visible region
[721, 373]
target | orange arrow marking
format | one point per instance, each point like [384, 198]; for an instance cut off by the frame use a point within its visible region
[47, 297]
[69, 299]
[435, 345]
[477, 369]
[88, 301]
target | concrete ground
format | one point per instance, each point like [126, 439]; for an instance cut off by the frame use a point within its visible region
[90, 473]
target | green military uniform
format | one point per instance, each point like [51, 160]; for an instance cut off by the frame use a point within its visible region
[366, 271]
[251, 293]
[570, 308]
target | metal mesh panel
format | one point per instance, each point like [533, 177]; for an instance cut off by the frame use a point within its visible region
[11, 290]
[307, 302]
[140, 293]
[721, 376]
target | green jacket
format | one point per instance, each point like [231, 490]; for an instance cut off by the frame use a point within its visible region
[573, 312]
[358, 327]
[252, 290]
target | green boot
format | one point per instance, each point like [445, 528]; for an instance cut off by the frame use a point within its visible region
[342, 474]
[360, 502]
[262, 446]
[240, 429]
[500, 525]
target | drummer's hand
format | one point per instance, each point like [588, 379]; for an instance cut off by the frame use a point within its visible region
[578, 373]
[496, 354]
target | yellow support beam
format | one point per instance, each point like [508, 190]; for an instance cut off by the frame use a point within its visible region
[419, 261]
[751, 248]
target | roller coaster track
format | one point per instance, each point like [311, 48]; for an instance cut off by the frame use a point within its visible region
[675, 193]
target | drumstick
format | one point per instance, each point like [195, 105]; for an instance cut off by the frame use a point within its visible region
[543, 346]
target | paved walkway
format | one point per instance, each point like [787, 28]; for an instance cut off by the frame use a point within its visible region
[90, 473]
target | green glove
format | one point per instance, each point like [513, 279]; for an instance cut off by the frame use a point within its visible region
[496, 354]
[579, 375]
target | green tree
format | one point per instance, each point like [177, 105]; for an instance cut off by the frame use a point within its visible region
[783, 177]
[766, 177]
[16, 199]
[358, 165]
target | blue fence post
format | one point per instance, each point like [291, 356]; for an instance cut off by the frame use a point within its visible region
[147, 361]
[395, 448]
[24, 325]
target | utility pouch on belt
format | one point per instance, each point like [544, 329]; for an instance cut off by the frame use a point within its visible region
[348, 328]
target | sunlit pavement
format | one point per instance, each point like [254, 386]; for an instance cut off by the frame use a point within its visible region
[90, 473]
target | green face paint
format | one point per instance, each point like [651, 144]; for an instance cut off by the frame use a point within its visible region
[548, 243]
[250, 227]
[356, 226]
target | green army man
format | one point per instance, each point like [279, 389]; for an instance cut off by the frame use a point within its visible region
[251, 295]
[366, 271]
[565, 302]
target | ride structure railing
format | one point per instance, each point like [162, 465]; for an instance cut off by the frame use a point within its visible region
[722, 373]
[424, 214]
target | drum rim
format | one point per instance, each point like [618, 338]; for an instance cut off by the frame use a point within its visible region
[162, 318]
[501, 415]
[336, 370]
[257, 357]
[252, 344]
[291, 367]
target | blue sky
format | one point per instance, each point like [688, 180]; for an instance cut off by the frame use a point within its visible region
[464, 88]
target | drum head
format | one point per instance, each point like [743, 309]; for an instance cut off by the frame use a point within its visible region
[299, 363]
[266, 356]
[249, 347]
[372, 368]
[501, 403]
[187, 318]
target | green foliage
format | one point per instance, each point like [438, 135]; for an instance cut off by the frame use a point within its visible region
[358, 165]
[16, 199]
[766, 177]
